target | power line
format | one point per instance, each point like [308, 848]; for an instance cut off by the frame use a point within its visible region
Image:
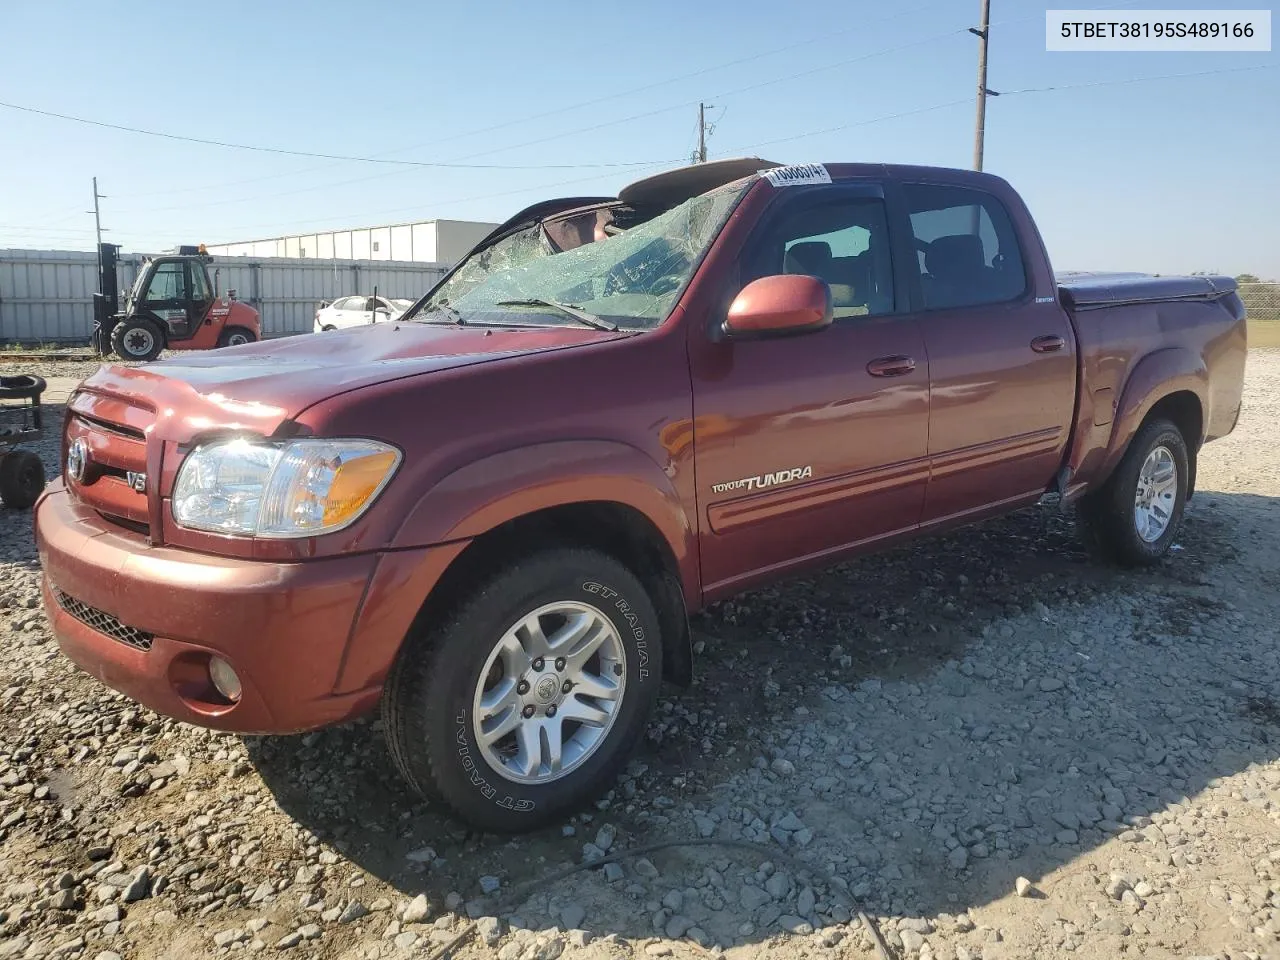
[1163, 76]
[734, 92]
[850, 126]
[44, 228]
[756, 145]
[439, 203]
[319, 156]
[861, 26]
[607, 123]
[951, 103]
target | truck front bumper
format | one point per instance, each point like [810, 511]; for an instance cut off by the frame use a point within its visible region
[146, 621]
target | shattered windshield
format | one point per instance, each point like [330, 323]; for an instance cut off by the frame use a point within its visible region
[631, 279]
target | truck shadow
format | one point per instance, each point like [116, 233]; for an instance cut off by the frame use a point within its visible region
[888, 704]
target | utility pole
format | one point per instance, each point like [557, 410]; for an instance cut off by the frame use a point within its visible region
[97, 215]
[979, 132]
[97, 229]
[701, 156]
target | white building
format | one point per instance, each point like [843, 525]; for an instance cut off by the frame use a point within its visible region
[427, 241]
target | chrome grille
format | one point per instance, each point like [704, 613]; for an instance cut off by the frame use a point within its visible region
[112, 436]
[103, 622]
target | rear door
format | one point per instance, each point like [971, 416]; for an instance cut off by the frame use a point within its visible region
[807, 445]
[1001, 359]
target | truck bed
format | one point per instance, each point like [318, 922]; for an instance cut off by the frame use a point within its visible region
[1136, 330]
[1093, 290]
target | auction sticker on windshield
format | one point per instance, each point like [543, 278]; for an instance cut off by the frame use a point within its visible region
[797, 175]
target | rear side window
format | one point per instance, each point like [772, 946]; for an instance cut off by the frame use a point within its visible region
[845, 243]
[966, 247]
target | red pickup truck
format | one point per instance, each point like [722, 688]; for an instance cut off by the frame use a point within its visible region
[492, 517]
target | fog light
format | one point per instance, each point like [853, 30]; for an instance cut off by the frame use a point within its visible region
[224, 679]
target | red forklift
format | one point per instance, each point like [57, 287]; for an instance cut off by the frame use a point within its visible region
[172, 306]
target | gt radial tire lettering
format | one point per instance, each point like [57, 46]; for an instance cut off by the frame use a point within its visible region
[468, 764]
[624, 609]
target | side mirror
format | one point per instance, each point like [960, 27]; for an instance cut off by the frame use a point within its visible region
[778, 306]
[217, 290]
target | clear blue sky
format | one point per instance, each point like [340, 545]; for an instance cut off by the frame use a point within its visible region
[1171, 175]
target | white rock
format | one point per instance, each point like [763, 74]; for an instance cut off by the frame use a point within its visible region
[489, 929]
[418, 909]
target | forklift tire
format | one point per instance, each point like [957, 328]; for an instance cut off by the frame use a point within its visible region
[21, 479]
[137, 339]
[236, 337]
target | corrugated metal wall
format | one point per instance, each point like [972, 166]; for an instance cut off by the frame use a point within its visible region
[428, 241]
[47, 295]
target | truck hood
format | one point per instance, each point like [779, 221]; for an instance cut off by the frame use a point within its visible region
[260, 385]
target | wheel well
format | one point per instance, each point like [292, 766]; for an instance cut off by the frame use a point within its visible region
[1184, 411]
[613, 528]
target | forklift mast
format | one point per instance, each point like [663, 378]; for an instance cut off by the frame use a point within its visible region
[106, 302]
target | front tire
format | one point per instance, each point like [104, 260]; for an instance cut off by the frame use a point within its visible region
[523, 704]
[1135, 516]
[137, 339]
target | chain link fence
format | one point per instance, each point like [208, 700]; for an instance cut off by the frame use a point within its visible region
[1262, 300]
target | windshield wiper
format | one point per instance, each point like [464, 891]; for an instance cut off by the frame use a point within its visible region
[452, 314]
[582, 316]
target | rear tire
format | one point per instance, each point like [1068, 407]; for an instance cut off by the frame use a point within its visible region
[137, 339]
[492, 666]
[21, 479]
[1135, 516]
[236, 337]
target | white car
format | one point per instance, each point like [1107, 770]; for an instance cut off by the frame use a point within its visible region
[357, 311]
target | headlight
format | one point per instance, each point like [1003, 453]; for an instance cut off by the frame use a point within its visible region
[295, 489]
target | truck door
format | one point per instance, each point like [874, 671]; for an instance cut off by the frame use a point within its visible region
[167, 298]
[1001, 358]
[201, 294]
[809, 444]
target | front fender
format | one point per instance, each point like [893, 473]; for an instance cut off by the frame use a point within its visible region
[243, 315]
[504, 486]
[1154, 377]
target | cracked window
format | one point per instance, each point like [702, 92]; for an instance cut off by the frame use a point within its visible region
[632, 278]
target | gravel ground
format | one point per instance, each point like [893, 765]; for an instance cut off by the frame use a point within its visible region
[993, 746]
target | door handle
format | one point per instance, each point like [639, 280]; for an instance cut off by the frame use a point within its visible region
[895, 366]
[1047, 344]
